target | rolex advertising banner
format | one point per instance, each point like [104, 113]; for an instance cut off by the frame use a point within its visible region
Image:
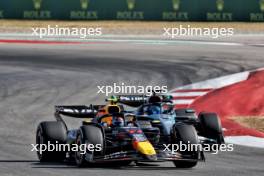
[168, 10]
[233, 10]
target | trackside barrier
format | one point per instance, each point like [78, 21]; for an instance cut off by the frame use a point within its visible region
[159, 10]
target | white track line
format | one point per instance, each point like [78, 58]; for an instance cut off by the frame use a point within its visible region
[158, 40]
[217, 82]
[186, 94]
[249, 141]
[182, 101]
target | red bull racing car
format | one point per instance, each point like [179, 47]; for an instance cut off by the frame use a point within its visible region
[108, 136]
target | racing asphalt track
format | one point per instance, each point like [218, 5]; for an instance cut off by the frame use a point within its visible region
[34, 78]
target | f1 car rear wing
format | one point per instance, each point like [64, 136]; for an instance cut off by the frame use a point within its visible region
[138, 100]
[132, 100]
[80, 111]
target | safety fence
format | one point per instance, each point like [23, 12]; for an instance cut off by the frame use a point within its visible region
[159, 10]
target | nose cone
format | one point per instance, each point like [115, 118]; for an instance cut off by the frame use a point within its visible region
[145, 148]
[151, 157]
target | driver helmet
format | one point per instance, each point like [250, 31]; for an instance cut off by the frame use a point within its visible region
[119, 122]
[154, 110]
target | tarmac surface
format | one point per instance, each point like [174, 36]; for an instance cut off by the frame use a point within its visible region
[35, 77]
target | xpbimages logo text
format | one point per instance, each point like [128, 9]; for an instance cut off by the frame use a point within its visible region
[183, 31]
[51, 147]
[213, 148]
[57, 31]
[122, 88]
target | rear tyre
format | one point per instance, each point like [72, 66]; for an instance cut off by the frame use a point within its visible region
[211, 127]
[51, 133]
[88, 135]
[187, 135]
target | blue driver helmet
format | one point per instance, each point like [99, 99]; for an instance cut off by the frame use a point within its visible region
[119, 122]
[154, 110]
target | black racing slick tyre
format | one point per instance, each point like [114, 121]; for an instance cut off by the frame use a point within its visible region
[50, 134]
[186, 134]
[211, 127]
[88, 134]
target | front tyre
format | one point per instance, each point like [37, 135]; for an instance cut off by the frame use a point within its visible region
[211, 127]
[186, 134]
[88, 134]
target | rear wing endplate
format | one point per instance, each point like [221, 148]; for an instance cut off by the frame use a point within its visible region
[79, 111]
[132, 100]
